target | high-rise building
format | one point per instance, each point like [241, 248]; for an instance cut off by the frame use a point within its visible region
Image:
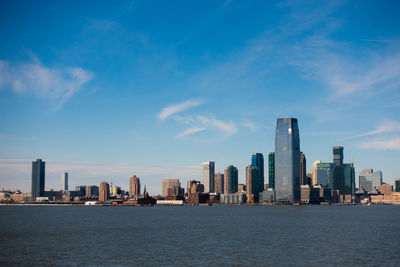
[397, 184]
[314, 172]
[208, 176]
[257, 159]
[303, 169]
[324, 173]
[115, 190]
[104, 192]
[194, 187]
[287, 161]
[369, 180]
[252, 178]
[219, 183]
[170, 187]
[271, 170]
[385, 189]
[64, 181]
[231, 180]
[38, 178]
[134, 186]
[338, 155]
[92, 191]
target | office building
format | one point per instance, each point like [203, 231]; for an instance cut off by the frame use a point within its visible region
[219, 183]
[242, 188]
[257, 160]
[343, 176]
[38, 179]
[171, 188]
[115, 190]
[314, 173]
[92, 191]
[287, 161]
[194, 187]
[369, 181]
[208, 176]
[271, 170]
[323, 173]
[252, 183]
[231, 180]
[64, 181]
[338, 155]
[385, 189]
[134, 186]
[397, 184]
[104, 192]
[303, 169]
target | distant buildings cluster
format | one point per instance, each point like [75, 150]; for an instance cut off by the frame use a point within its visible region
[288, 182]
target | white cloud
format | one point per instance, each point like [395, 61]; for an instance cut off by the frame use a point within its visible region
[388, 144]
[251, 125]
[387, 127]
[179, 107]
[55, 84]
[191, 130]
[228, 128]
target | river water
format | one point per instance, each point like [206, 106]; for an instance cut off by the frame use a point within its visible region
[216, 235]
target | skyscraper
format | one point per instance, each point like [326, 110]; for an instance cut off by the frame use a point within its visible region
[343, 176]
[271, 170]
[323, 173]
[370, 180]
[287, 161]
[303, 169]
[64, 181]
[219, 183]
[314, 172]
[208, 176]
[257, 159]
[338, 155]
[104, 192]
[134, 186]
[38, 175]
[170, 187]
[397, 184]
[252, 178]
[231, 180]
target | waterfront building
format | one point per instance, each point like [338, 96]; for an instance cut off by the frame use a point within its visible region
[271, 170]
[134, 186]
[115, 190]
[81, 189]
[386, 189]
[305, 194]
[287, 161]
[171, 188]
[219, 183]
[257, 160]
[194, 187]
[38, 179]
[303, 169]
[324, 173]
[343, 176]
[242, 188]
[208, 176]
[233, 199]
[64, 181]
[104, 192]
[338, 155]
[314, 172]
[369, 180]
[231, 180]
[252, 186]
[397, 184]
[267, 196]
[92, 191]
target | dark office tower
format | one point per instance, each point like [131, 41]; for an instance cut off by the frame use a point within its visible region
[252, 178]
[134, 186]
[271, 170]
[257, 159]
[303, 171]
[338, 155]
[397, 184]
[231, 180]
[287, 161]
[104, 192]
[38, 173]
[219, 183]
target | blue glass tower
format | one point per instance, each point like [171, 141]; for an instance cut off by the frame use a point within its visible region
[257, 160]
[38, 172]
[287, 161]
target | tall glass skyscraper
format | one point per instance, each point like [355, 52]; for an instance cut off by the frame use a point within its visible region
[38, 172]
[208, 176]
[271, 170]
[231, 182]
[287, 161]
[257, 160]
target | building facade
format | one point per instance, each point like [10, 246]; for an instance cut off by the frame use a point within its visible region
[257, 160]
[303, 169]
[324, 173]
[208, 176]
[134, 186]
[370, 181]
[287, 161]
[170, 187]
[219, 183]
[64, 181]
[271, 170]
[397, 184]
[252, 178]
[104, 192]
[38, 179]
[231, 180]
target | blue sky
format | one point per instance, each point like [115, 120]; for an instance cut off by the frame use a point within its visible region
[155, 88]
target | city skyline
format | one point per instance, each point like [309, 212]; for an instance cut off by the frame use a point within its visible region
[154, 89]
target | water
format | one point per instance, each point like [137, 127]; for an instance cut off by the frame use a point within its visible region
[217, 235]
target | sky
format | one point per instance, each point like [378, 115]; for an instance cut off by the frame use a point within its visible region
[106, 90]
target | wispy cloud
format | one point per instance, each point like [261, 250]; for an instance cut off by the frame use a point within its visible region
[179, 107]
[228, 127]
[387, 127]
[388, 144]
[191, 130]
[55, 84]
[251, 125]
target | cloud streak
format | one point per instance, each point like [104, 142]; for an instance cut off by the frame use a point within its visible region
[387, 127]
[55, 84]
[388, 144]
[179, 107]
